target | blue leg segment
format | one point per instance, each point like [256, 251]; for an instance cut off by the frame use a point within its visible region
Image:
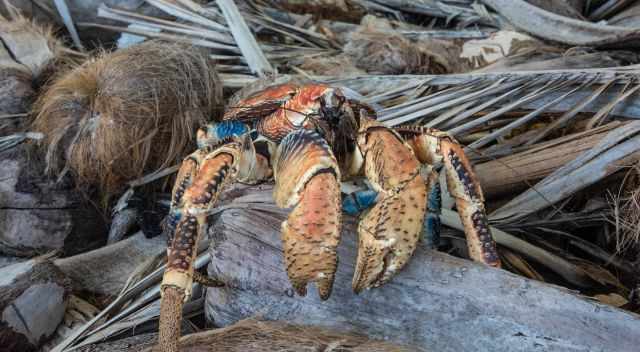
[431, 225]
[216, 132]
[356, 202]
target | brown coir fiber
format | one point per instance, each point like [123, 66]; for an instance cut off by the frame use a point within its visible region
[272, 336]
[378, 49]
[29, 52]
[127, 113]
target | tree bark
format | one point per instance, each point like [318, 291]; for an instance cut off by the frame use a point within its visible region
[437, 302]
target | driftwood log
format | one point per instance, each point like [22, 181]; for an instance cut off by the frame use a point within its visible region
[105, 270]
[38, 215]
[437, 302]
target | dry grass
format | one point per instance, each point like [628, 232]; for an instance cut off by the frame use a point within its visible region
[627, 210]
[271, 336]
[127, 113]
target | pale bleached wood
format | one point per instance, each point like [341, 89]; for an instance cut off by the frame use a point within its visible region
[437, 302]
[518, 171]
[251, 51]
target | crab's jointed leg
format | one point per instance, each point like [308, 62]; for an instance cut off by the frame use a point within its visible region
[432, 146]
[201, 179]
[307, 180]
[389, 232]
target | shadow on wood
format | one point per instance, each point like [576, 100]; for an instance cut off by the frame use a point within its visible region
[437, 302]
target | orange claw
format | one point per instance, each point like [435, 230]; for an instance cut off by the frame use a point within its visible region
[307, 179]
[389, 232]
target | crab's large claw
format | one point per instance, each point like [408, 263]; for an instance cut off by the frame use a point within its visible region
[436, 146]
[307, 180]
[389, 232]
[201, 179]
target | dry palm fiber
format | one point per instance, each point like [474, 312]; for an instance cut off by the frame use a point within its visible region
[127, 113]
[272, 336]
[31, 45]
[28, 54]
[338, 66]
[378, 49]
[628, 213]
[338, 10]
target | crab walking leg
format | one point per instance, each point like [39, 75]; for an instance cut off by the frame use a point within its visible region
[187, 171]
[307, 180]
[433, 146]
[215, 169]
[465, 188]
[389, 232]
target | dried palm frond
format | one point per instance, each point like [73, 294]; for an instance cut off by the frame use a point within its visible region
[207, 27]
[127, 113]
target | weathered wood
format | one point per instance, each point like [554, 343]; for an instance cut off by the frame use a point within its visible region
[618, 148]
[106, 270]
[33, 217]
[33, 297]
[251, 51]
[437, 302]
[517, 171]
[38, 215]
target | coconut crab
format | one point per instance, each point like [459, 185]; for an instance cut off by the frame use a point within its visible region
[309, 137]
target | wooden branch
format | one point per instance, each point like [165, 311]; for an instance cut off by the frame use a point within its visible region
[437, 302]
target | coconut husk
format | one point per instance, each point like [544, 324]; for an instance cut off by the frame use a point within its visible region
[31, 45]
[127, 113]
[338, 66]
[381, 50]
[27, 57]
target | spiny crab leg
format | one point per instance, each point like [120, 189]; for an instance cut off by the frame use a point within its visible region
[432, 146]
[389, 232]
[307, 180]
[202, 177]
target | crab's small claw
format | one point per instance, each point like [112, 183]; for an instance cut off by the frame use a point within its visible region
[389, 232]
[307, 180]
